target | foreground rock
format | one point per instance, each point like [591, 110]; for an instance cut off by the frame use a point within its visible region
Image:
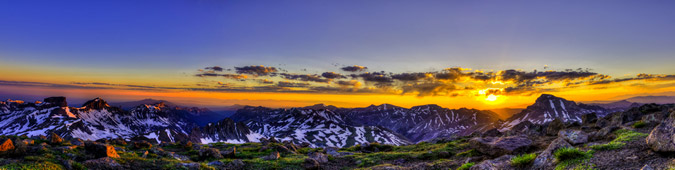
[573, 136]
[497, 146]
[500, 163]
[662, 137]
[6, 147]
[545, 159]
[100, 150]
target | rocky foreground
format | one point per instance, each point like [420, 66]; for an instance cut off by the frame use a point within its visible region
[640, 138]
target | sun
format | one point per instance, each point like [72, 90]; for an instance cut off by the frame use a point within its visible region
[491, 98]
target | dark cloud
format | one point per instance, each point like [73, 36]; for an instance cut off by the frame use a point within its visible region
[304, 77]
[332, 75]
[349, 83]
[291, 84]
[379, 78]
[256, 70]
[354, 68]
[214, 68]
[409, 76]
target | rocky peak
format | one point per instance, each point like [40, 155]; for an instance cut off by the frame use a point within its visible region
[57, 101]
[97, 104]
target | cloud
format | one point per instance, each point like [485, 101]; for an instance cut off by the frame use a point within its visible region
[332, 75]
[266, 81]
[354, 68]
[214, 68]
[410, 76]
[256, 70]
[379, 78]
[304, 77]
[291, 84]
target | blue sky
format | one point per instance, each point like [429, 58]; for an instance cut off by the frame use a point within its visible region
[613, 36]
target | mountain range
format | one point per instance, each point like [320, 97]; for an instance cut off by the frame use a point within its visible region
[318, 125]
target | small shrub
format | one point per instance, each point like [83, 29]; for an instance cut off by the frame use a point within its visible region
[466, 166]
[569, 153]
[570, 156]
[523, 160]
[639, 124]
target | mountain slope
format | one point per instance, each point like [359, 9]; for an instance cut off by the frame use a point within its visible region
[320, 127]
[548, 107]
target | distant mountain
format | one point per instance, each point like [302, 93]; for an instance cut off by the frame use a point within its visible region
[419, 123]
[96, 119]
[319, 127]
[653, 99]
[618, 105]
[548, 107]
[132, 104]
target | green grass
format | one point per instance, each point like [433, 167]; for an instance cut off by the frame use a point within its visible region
[570, 156]
[466, 166]
[523, 160]
[622, 136]
[639, 124]
[31, 166]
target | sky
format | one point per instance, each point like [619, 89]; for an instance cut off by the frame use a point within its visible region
[476, 54]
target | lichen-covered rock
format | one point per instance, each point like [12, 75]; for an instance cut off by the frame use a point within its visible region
[55, 139]
[589, 118]
[554, 126]
[99, 150]
[573, 136]
[545, 159]
[206, 153]
[272, 156]
[6, 147]
[230, 152]
[320, 157]
[500, 163]
[496, 146]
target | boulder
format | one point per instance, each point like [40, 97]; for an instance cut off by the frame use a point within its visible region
[319, 157]
[29, 141]
[573, 136]
[497, 146]
[305, 144]
[119, 141]
[662, 138]
[178, 156]
[55, 139]
[236, 164]
[229, 153]
[589, 118]
[500, 163]
[604, 133]
[207, 153]
[99, 150]
[311, 164]
[333, 151]
[105, 163]
[272, 156]
[145, 154]
[647, 167]
[6, 147]
[554, 126]
[545, 159]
